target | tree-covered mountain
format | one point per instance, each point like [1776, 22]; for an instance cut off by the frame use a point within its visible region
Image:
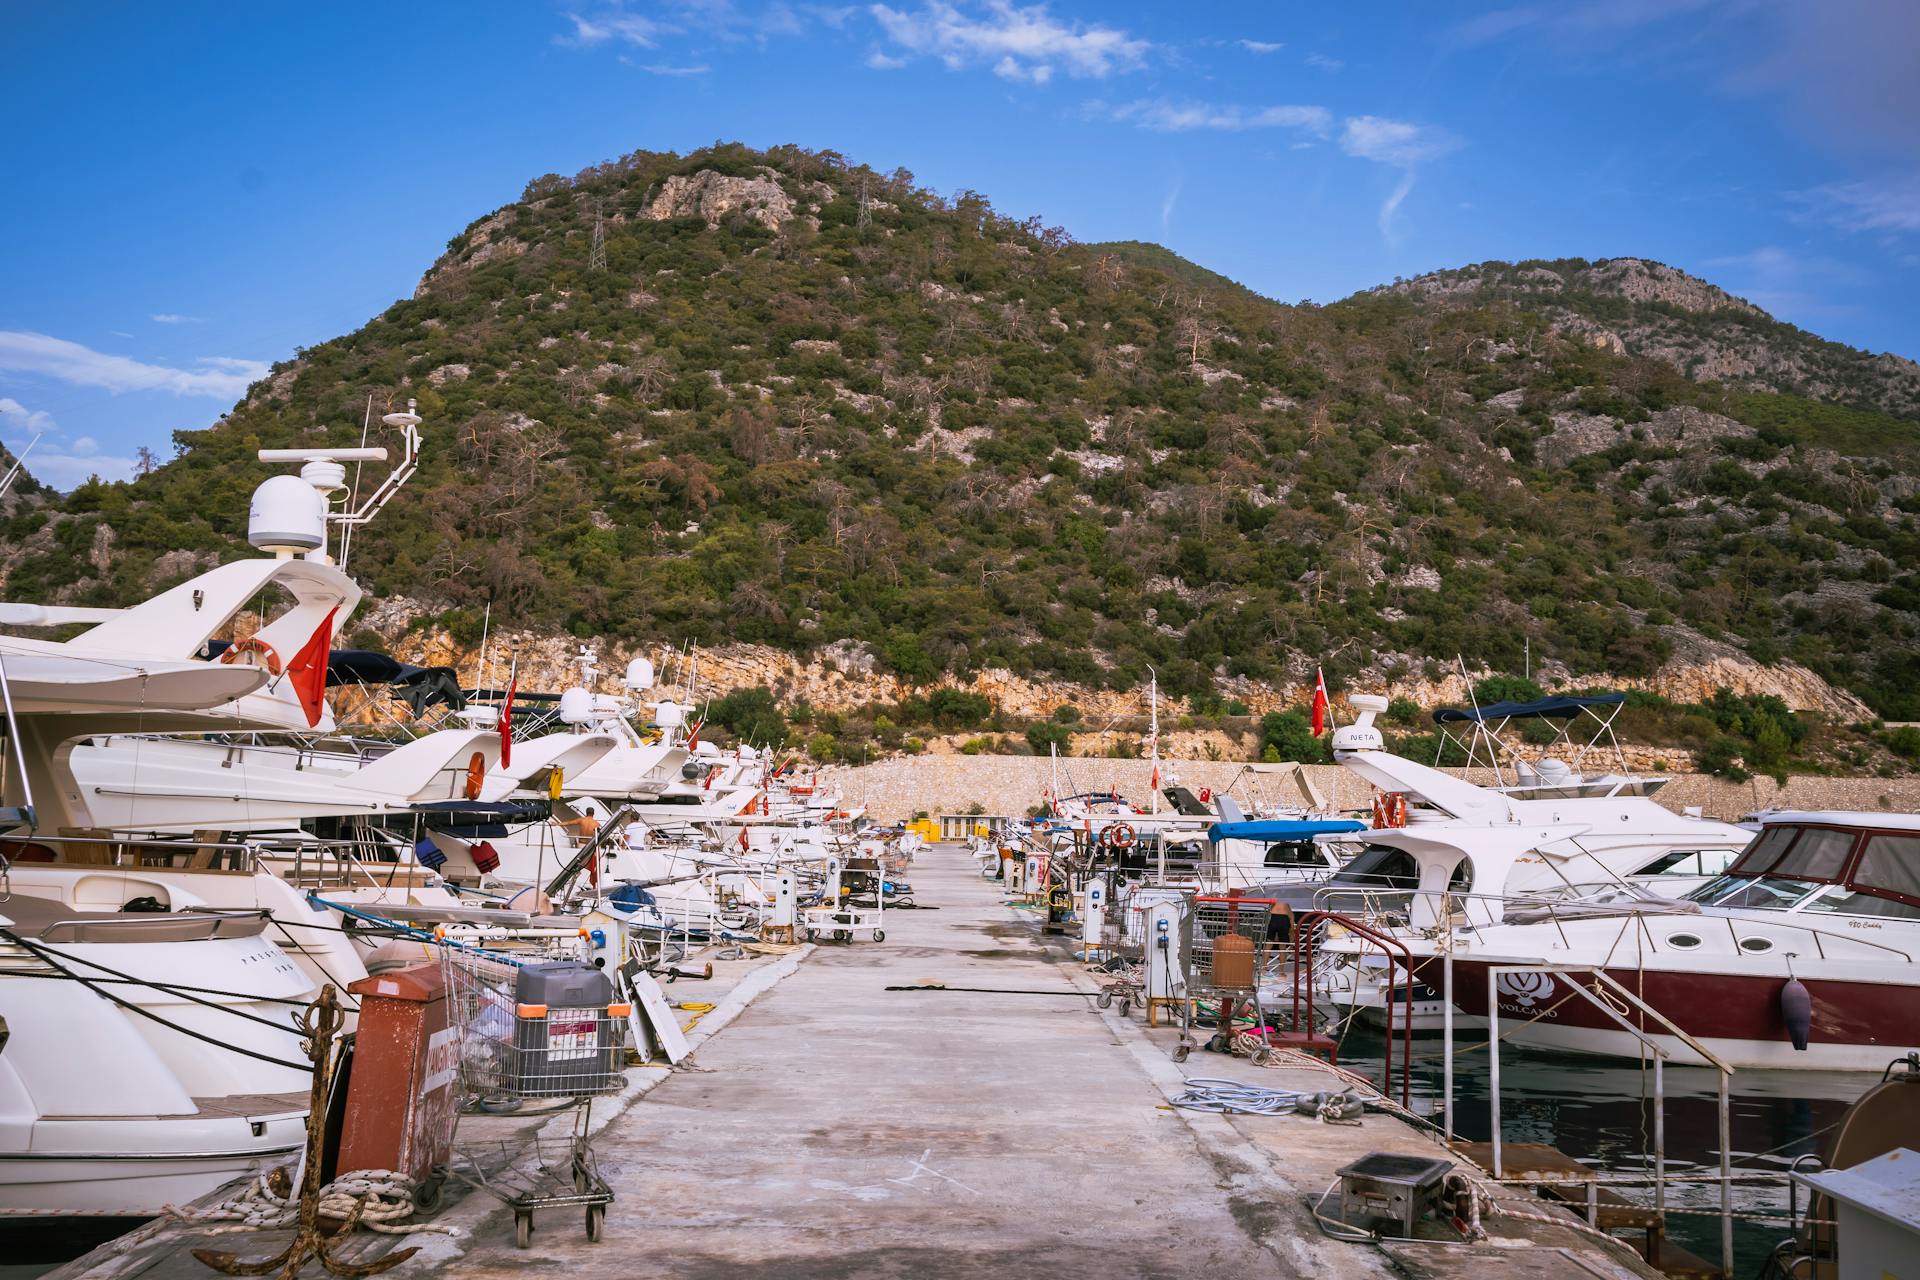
[779, 397]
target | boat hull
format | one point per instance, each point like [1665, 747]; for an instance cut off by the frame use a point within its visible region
[1857, 1025]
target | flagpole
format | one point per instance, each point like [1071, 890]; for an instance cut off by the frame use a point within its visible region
[1153, 736]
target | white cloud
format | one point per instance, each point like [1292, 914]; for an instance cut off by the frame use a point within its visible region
[1260, 46]
[629, 28]
[55, 460]
[1875, 204]
[1166, 208]
[18, 420]
[1325, 63]
[171, 317]
[1395, 142]
[880, 61]
[223, 377]
[663, 69]
[1399, 143]
[1166, 116]
[1018, 42]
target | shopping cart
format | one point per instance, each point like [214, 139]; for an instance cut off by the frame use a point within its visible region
[1231, 953]
[529, 1031]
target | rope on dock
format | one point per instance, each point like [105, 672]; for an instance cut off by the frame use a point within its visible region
[384, 1199]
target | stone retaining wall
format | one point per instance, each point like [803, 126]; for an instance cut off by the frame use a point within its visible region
[899, 788]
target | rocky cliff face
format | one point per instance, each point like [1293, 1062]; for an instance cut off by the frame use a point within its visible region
[1638, 307]
[846, 676]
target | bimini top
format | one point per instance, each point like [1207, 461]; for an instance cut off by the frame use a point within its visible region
[1283, 829]
[1560, 708]
[420, 687]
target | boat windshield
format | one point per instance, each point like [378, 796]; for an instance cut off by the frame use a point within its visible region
[1760, 893]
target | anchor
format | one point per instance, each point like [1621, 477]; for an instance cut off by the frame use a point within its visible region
[320, 1023]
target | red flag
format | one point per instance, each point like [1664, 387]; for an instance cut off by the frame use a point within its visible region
[308, 670]
[1319, 702]
[506, 718]
[693, 734]
[1153, 784]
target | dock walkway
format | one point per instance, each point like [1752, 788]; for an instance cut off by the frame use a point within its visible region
[839, 1129]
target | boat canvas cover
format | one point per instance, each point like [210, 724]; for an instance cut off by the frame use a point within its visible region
[1565, 707]
[1283, 829]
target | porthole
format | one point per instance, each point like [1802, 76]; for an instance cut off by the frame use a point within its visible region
[1684, 941]
[1756, 944]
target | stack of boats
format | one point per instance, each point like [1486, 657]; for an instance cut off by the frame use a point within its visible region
[191, 846]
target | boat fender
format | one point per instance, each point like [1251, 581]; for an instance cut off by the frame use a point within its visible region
[1796, 1009]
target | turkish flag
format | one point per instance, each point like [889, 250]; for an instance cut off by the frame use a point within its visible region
[506, 718]
[308, 670]
[1319, 702]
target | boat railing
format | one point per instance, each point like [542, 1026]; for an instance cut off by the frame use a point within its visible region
[106, 849]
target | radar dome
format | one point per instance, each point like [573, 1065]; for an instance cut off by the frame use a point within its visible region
[576, 706]
[639, 674]
[669, 715]
[287, 516]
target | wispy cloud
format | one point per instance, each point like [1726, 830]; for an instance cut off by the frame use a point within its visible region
[1889, 204]
[55, 460]
[1019, 43]
[1166, 208]
[1164, 115]
[1395, 142]
[1325, 63]
[1400, 144]
[612, 25]
[882, 61]
[663, 69]
[174, 317]
[224, 377]
[1261, 46]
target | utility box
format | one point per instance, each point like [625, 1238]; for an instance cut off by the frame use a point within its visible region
[402, 1097]
[1877, 1215]
[1167, 917]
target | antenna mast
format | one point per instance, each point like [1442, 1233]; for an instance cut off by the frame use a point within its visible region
[597, 259]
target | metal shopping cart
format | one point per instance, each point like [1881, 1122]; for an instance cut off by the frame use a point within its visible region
[1232, 950]
[534, 1031]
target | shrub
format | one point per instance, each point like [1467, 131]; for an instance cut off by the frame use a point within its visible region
[1042, 736]
[1290, 737]
[752, 715]
[1403, 710]
[958, 709]
[1506, 689]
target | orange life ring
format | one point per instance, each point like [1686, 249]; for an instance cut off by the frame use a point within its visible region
[476, 774]
[1120, 835]
[253, 644]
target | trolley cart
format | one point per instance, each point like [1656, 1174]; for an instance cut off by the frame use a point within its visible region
[1231, 951]
[843, 922]
[550, 1031]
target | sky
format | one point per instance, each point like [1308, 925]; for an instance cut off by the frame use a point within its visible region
[193, 191]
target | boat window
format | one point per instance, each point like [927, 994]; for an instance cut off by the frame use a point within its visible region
[1684, 941]
[1850, 902]
[1732, 890]
[1681, 862]
[1797, 853]
[1890, 864]
[1295, 853]
[1766, 849]
[1756, 944]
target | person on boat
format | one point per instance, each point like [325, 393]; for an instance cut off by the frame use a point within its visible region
[586, 826]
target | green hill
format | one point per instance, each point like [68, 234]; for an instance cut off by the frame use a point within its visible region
[785, 413]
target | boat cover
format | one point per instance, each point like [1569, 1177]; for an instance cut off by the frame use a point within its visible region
[1283, 829]
[1560, 708]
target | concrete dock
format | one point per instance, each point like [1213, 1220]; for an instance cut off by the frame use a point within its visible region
[841, 1129]
[837, 1128]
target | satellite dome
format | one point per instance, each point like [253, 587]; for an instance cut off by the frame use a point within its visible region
[287, 516]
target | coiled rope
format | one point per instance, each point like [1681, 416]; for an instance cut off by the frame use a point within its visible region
[384, 1200]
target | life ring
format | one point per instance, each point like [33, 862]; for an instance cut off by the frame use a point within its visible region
[1120, 835]
[253, 644]
[476, 774]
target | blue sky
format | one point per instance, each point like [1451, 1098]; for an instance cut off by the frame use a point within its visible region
[195, 190]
